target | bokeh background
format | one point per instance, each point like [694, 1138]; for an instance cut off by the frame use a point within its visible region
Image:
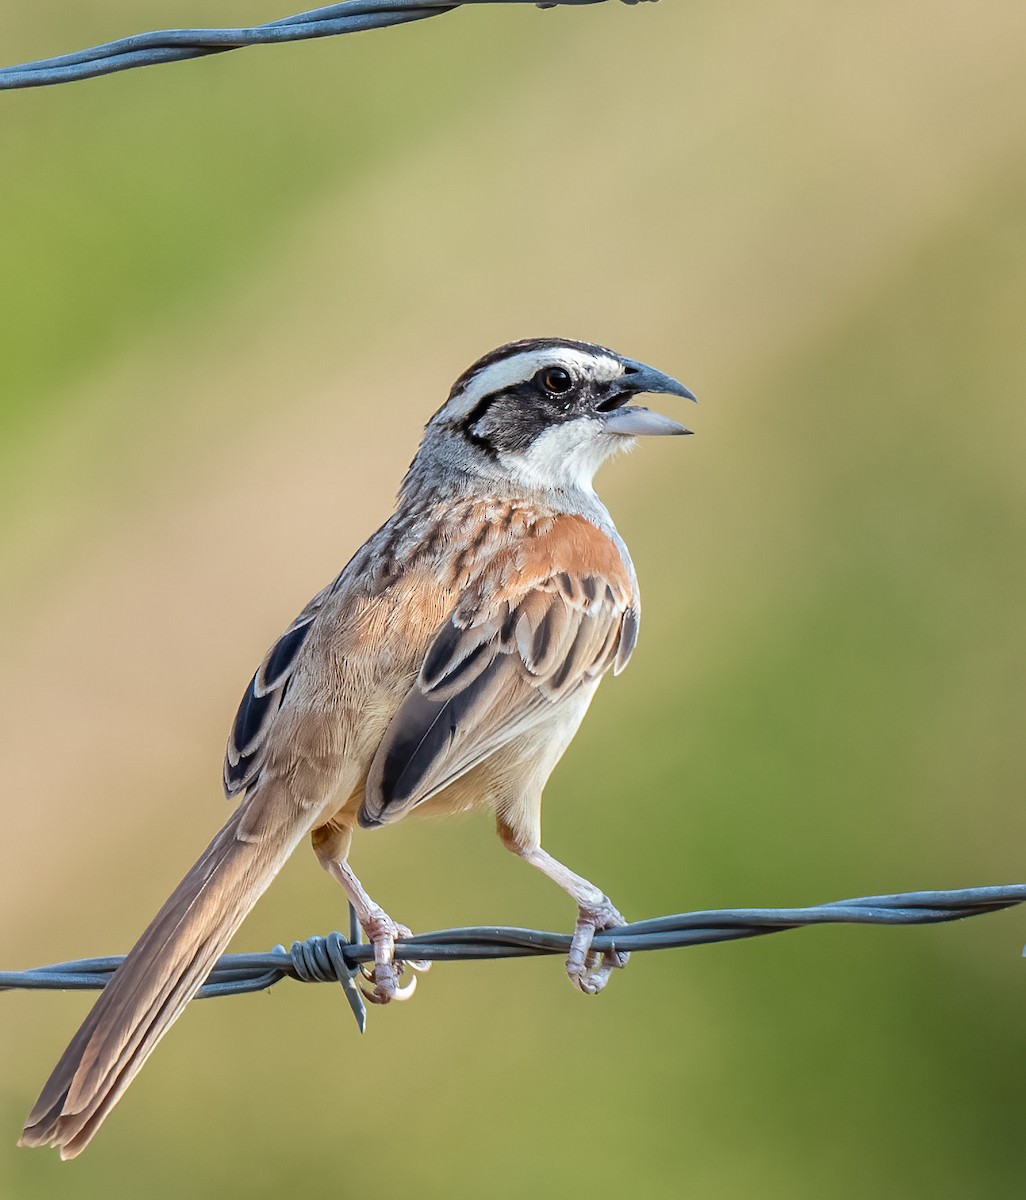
[232, 291]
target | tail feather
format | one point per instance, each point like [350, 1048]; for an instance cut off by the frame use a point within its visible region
[158, 978]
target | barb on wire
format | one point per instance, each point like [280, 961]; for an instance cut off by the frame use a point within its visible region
[173, 45]
[335, 959]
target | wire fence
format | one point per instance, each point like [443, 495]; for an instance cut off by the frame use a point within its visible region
[174, 45]
[337, 959]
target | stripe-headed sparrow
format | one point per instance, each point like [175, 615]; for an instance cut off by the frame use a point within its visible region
[446, 668]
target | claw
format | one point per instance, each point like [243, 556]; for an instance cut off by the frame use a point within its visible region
[384, 973]
[404, 993]
[589, 970]
[386, 970]
[593, 983]
[386, 991]
[372, 995]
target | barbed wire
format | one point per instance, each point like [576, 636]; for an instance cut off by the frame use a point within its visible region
[337, 959]
[174, 45]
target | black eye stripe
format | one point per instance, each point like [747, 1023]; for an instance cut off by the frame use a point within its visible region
[509, 419]
[476, 414]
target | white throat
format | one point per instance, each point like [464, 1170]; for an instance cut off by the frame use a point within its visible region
[564, 457]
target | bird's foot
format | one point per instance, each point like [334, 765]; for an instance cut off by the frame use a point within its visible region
[588, 969]
[383, 933]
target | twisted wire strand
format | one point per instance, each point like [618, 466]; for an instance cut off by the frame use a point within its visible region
[174, 45]
[336, 959]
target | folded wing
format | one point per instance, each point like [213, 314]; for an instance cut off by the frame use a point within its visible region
[500, 666]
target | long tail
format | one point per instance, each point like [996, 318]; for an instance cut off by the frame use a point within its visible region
[162, 973]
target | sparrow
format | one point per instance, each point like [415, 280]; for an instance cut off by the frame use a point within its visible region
[446, 668]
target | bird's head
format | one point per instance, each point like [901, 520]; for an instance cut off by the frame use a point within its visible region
[545, 413]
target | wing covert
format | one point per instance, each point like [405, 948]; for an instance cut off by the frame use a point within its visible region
[497, 668]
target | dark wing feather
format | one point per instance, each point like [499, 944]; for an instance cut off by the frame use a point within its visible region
[244, 755]
[494, 670]
[432, 732]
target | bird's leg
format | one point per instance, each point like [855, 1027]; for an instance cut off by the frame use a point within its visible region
[595, 913]
[383, 934]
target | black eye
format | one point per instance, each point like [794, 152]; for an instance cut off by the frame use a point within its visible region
[555, 380]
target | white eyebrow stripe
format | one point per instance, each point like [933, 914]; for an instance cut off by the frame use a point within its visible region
[518, 368]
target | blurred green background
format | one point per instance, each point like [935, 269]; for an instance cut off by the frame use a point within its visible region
[233, 290]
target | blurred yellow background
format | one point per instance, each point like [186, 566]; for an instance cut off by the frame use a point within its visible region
[233, 290]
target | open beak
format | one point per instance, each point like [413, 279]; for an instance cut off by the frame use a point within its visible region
[635, 421]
